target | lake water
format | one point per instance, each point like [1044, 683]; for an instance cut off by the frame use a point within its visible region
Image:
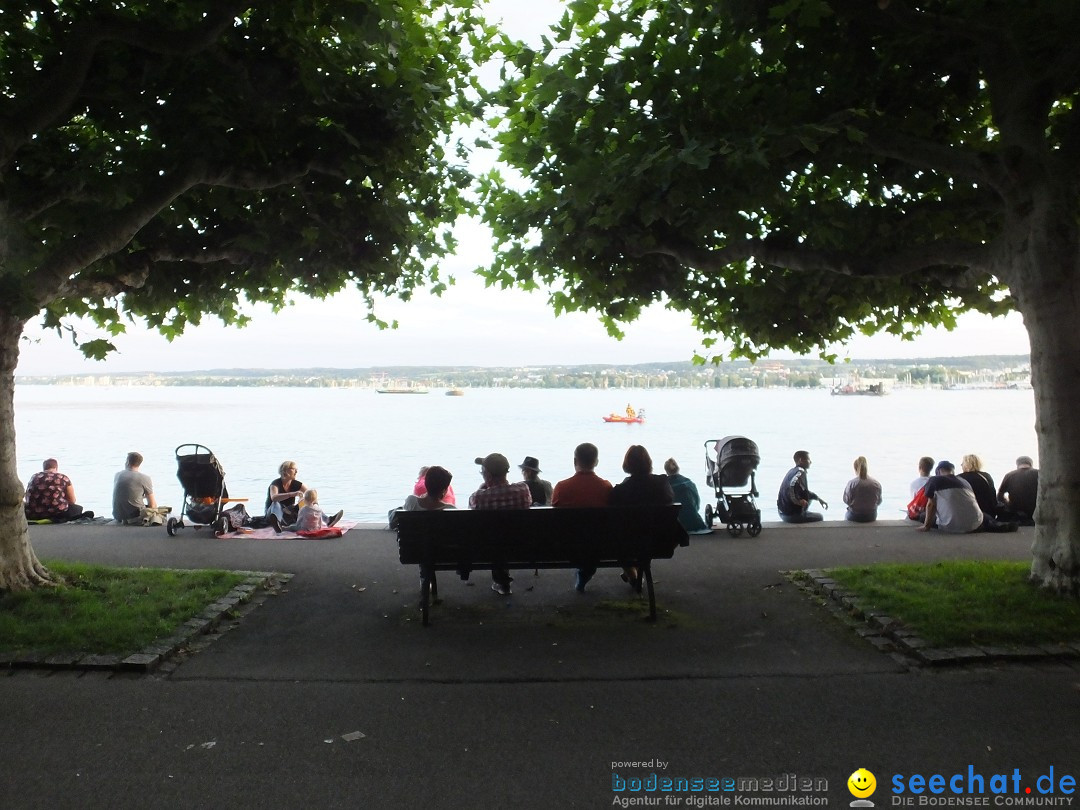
[362, 450]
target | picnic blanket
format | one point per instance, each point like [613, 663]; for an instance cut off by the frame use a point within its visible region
[267, 533]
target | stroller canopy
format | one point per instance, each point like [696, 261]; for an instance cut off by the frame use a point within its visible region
[199, 472]
[737, 458]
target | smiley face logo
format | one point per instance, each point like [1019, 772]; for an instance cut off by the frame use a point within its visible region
[862, 783]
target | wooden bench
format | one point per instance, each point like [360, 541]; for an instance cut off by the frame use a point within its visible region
[464, 541]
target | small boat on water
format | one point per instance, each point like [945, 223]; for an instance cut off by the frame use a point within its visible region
[631, 417]
[406, 390]
[455, 392]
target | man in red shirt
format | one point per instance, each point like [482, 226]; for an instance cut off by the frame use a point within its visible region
[498, 493]
[584, 489]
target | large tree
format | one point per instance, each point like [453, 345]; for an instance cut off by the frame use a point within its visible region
[794, 172]
[166, 159]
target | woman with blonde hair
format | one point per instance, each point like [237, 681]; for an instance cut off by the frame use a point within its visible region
[862, 495]
[283, 493]
[982, 484]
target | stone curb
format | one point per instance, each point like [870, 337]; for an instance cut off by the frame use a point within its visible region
[889, 635]
[161, 650]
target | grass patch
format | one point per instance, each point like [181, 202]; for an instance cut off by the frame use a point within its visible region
[105, 610]
[959, 603]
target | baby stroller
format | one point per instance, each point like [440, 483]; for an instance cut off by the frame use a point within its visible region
[733, 468]
[203, 480]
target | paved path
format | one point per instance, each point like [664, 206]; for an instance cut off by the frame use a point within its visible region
[526, 701]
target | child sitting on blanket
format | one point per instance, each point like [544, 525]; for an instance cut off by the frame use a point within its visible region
[310, 518]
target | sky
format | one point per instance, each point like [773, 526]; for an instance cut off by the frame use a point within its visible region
[468, 325]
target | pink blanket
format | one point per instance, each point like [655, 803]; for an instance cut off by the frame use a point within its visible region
[268, 533]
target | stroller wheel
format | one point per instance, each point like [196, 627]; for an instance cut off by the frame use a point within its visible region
[734, 529]
[170, 527]
[221, 526]
[753, 529]
[709, 515]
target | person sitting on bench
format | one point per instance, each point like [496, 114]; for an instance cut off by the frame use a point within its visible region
[583, 489]
[498, 493]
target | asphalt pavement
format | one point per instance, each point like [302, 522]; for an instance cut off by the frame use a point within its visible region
[329, 693]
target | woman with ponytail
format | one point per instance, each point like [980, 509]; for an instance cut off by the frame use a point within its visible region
[862, 495]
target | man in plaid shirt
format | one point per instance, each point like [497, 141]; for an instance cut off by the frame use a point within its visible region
[498, 493]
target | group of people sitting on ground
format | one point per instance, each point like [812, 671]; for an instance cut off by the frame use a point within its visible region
[967, 502]
[50, 496]
[292, 507]
[952, 503]
[584, 489]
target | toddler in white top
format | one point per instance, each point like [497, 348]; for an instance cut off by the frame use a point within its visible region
[310, 517]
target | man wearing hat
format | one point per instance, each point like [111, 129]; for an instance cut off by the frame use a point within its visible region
[950, 503]
[540, 489]
[498, 493]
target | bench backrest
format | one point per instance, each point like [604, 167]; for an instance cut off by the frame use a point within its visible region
[539, 535]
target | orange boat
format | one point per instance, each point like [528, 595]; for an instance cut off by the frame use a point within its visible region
[632, 417]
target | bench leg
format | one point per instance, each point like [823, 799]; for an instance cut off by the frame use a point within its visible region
[646, 572]
[427, 586]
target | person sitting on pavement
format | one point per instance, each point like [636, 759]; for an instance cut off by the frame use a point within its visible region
[540, 489]
[639, 488]
[926, 466]
[950, 506]
[686, 495]
[50, 495]
[420, 488]
[133, 491]
[584, 489]
[436, 491]
[981, 483]
[498, 493]
[1019, 492]
[283, 493]
[310, 518]
[862, 495]
[793, 499]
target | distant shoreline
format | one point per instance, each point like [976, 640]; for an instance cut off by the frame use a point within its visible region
[987, 371]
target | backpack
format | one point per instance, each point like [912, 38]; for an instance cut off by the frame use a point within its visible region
[916, 508]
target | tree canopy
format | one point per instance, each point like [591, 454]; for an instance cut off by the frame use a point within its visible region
[788, 172]
[162, 158]
[165, 159]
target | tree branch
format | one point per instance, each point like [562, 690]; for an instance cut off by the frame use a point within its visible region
[929, 156]
[61, 85]
[968, 259]
[57, 276]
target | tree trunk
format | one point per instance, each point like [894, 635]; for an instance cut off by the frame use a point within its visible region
[19, 566]
[1047, 290]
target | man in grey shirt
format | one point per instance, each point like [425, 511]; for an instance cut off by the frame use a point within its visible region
[132, 490]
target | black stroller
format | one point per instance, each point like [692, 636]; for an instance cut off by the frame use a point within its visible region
[203, 480]
[732, 468]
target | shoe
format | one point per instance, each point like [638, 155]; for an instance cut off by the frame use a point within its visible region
[500, 589]
[275, 524]
[580, 582]
[337, 516]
